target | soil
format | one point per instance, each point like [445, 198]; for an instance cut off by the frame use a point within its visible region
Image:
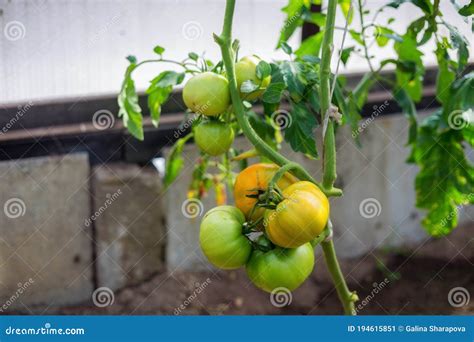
[409, 281]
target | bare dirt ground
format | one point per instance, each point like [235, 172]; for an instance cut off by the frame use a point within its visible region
[418, 282]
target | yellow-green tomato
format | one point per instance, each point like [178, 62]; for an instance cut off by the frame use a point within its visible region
[214, 137]
[281, 267]
[207, 93]
[221, 238]
[245, 70]
[299, 218]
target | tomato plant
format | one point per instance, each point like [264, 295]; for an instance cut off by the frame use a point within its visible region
[281, 211]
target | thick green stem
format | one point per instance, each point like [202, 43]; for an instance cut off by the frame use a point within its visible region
[225, 43]
[281, 171]
[329, 150]
[329, 157]
[346, 297]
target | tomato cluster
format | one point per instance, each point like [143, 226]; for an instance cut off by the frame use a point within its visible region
[282, 254]
[208, 94]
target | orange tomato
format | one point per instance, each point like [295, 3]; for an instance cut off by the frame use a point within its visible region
[254, 181]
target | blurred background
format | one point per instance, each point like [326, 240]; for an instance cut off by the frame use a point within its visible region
[87, 226]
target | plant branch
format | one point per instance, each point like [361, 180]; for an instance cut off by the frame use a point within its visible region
[225, 43]
[346, 297]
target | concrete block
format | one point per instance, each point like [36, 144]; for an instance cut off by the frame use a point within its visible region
[128, 217]
[45, 247]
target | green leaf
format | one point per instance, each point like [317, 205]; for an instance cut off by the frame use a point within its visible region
[129, 109]
[408, 107]
[159, 50]
[166, 79]
[445, 76]
[289, 70]
[410, 81]
[132, 59]
[294, 18]
[346, 53]
[445, 180]
[425, 5]
[461, 44]
[248, 87]
[299, 134]
[311, 45]
[274, 92]
[356, 36]
[286, 48]
[263, 128]
[159, 91]
[468, 9]
[193, 55]
[175, 161]
[263, 70]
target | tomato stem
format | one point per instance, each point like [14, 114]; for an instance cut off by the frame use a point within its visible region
[346, 297]
[228, 58]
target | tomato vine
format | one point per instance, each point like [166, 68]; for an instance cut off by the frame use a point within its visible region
[316, 96]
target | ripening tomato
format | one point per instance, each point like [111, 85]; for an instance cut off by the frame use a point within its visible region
[214, 137]
[245, 70]
[254, 181]
[207, 93]
[221, 238]
[299, 218]
[281, 267]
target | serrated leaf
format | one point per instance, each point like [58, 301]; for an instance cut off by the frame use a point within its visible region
[408, 107]
[311, 45]
[299, 134]
[445, 180]
[263, 70]
[274, 92]
[445, 76]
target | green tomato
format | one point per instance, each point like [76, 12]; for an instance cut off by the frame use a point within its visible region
[245, 70]
[207, 93]
[281, 267]
[214, 137]
[221, 238]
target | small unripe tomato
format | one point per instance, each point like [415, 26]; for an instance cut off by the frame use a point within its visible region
[280, 267]
[221, 238]
[245, 70]
[207, 93]
[253, 181]
[213, 137]
[299, 218]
